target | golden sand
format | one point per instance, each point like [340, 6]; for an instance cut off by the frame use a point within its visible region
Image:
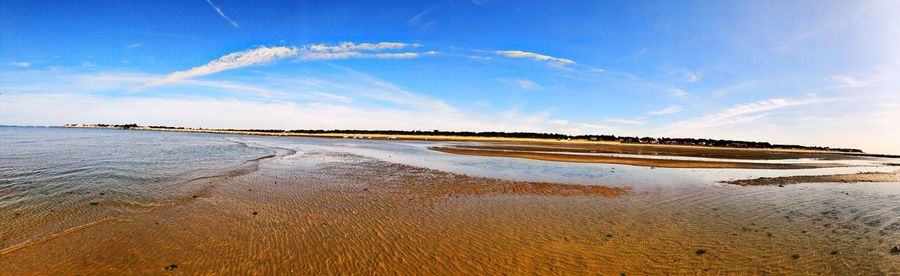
[361, 216]
[834, 178]
[664, 150]
[646, 162]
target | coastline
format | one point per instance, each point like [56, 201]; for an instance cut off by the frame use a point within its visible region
[864, 177]
[644, 162]
[319, 210]
[446, 138]
[364, 216]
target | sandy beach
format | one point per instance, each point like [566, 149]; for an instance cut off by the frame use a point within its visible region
[315, 209]
[646, 162]
[833, 178]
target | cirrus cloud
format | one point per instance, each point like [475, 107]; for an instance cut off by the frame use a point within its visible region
[21, 64]
[554, 61]
[264, 55]
[672, 109]
[222, 14]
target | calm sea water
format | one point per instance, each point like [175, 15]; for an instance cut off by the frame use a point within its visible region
[42, 164]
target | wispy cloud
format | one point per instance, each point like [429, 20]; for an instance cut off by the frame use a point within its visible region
[134, 45]
[553, 61]
[350, 46]
[626, 121]
[691, 76]
[478, 57]
[849, 81]
[672, 109]
[392, 93]
[743, 113]
[222, 14]
[87, 64]
[559, 122]
[418, 17]
[677, 92]
[522, 83]
[18, 64]
[265, 55]
[234, 60]
[346, 55]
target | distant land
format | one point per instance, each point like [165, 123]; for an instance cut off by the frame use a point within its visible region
[446, 135]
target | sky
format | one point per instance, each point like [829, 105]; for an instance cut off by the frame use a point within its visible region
[823, 73]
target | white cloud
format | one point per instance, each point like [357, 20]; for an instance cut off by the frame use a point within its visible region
[18, 64]
[554, 61]
[577, 128]
[87, 64]
[559, 122]
[418, 17]
[389, 92]
[743, 113]
[347, 55]
[269, 93]
[849, 81]
[691, 77]
[264, 55]
[479, 57]
[672, 109]
[252, 57]
[350, 46]
[222, 14]
[626, 121]
[399, 55]
[677, 92]
[134, 45]
[522, 83]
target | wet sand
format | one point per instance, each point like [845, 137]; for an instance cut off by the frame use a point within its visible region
[665, 150]
[645, 162]
[834, 178]
[356, 215]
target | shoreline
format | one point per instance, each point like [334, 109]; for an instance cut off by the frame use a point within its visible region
[538, 141]
[864, 177]
[325, 211]
[633, 161]
[366, 216]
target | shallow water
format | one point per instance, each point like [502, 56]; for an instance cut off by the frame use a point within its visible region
[45, 172]
[416, 153]
[322, 210]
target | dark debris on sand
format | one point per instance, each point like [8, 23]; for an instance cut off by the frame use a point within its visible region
[171, 267]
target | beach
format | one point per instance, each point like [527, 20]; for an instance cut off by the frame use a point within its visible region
[347, 206]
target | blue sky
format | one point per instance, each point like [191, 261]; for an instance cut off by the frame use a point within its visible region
[805, 72]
